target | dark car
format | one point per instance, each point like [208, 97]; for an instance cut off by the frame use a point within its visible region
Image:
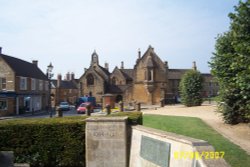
[64, 106]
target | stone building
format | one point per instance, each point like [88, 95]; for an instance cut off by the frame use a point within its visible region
[148, 82]
[23, 86]
[64, 89]
[95, 80]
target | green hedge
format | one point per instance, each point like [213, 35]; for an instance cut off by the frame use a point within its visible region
[134, 118]
[47, 142]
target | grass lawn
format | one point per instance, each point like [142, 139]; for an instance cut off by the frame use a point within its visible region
[196, 128]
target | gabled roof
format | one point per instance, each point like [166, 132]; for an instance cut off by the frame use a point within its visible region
[176, 73]
[24, 68]
[104, 70]
[206, 75]
[128, 73]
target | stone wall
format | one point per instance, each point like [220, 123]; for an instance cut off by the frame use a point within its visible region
[106, 142]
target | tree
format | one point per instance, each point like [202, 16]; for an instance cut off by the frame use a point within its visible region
[231, 66]
[190, 88]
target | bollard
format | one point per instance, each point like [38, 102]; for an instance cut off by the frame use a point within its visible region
[108, 109]
[59, 112]
[121, 106]
[162, 102]
[138, 106]
[134, 103]
[88, 107]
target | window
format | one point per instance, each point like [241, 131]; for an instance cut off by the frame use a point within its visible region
[149, 75]
[33, 84]
[90, 80]
[23, 83]
[3, 104]
[2, 83]
[40, 84]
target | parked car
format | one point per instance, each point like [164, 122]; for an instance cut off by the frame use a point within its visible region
[83, 108]
[64, 106]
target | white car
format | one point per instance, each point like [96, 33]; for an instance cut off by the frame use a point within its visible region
[64, 106]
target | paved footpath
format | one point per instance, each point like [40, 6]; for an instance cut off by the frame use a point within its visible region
[239, 134]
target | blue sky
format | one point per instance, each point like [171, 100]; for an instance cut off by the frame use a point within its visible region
[66, 32]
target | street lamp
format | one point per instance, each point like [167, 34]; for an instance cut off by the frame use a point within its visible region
[49, 75]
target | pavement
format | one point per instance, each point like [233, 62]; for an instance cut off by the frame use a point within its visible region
[27, 114]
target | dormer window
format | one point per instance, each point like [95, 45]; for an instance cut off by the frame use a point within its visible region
[149, 75]
[90, 80]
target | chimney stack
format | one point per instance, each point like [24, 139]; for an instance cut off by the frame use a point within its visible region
[106, 65]
[139, 53]
[194, 66]
[166, 64]
[0, 50]
[35, 62]
[122, 65]
[72, 76]
[59, 79]
[68, 76]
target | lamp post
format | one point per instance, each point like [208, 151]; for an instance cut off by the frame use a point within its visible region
[49, 75]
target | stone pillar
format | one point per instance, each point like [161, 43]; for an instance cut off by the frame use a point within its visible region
[106, 142]
[138, 106]
[88, 107]
[121, 106]
[59, 112]
[162, 102]
[108, 109]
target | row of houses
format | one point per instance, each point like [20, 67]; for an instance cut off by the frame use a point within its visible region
[24, 87]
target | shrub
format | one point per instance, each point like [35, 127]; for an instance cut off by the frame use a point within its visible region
[45, 142]
[190, 88]
[134, 118]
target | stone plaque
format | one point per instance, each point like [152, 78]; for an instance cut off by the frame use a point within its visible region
[106, 142]
[155, 151]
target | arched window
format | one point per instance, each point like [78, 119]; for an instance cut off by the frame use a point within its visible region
[90, 80]
[113, 81]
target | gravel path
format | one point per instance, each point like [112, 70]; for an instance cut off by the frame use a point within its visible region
[239, 134]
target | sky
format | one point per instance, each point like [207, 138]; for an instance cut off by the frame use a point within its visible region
[66, 32]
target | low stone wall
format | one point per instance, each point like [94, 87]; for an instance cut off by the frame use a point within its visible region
[155, 148]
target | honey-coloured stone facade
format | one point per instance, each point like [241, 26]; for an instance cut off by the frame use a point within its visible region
[149, 82]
